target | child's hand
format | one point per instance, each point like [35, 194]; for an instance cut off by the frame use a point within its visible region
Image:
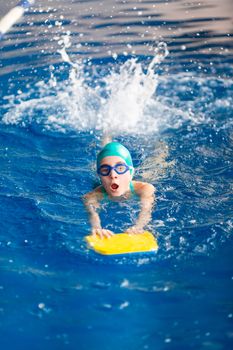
[102, 233]
[134, 230]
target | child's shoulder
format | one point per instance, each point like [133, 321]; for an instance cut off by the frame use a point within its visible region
[143, 188]
[97, 194]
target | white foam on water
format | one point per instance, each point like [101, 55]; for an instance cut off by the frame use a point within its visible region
[124, 101]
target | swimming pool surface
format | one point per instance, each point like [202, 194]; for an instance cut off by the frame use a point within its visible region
[157, 76]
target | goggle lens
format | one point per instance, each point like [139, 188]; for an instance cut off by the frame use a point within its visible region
[104, 170]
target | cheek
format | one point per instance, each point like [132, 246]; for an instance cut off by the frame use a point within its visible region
[104, 180]
[126, 179]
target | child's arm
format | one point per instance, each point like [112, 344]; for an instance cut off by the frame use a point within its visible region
[147, 196]
[91, 201]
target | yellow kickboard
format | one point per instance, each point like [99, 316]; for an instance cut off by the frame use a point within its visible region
[123, 243]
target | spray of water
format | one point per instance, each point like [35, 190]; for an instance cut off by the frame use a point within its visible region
[124, 101]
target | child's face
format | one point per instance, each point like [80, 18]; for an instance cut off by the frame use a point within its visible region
[115, 184]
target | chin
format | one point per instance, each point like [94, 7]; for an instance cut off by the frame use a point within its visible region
[115, 194]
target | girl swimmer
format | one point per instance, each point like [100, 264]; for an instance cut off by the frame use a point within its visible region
[115, 169]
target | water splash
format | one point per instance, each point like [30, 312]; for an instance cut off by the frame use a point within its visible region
[129, 98]
[124, 101]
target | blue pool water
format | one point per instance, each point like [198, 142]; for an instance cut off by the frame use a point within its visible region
[157, 76]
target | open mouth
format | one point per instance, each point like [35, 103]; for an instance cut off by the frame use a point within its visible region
[114, 186]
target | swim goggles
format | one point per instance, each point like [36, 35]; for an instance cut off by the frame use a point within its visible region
[120, 168]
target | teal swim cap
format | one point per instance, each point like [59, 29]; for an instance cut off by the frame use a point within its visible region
[115, 149]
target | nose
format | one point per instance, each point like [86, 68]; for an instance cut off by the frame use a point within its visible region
[113, 174]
